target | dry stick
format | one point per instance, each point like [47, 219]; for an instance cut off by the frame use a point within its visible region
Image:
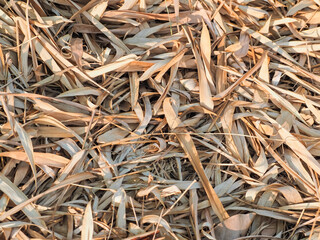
[297, 224]
[313, 225]
[157, 226]
[134, 211]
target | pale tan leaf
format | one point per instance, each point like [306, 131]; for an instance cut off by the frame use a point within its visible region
[205, 93]
[119, 201]
[87, 223]
[299, 6]
[170, 113]
[49, 159]
[234, 227]
[156, 220]
[266, 26]
[253, 11]
[27, 146]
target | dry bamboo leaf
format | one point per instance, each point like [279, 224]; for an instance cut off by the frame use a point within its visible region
[266, 213]
[311, 33]
[135, 229]
[306, 84]
[189, 148]
[295, 145]
[261, 164]
[304, 48]
[169, 191]
[110, 67]
[70, 180]
[83, 91]
[253, 11]
[146, 191]
[282, 102]
[205, 93]
[156, 220]
[309, 16]
[87, 223]
[295, 163]
[266, 26]
[266, 41]
[128, 4]
[227, 126]
[76, 159]
[98, 10]
[234, 227]
[173, 61]
[245, 76]
[170, 113]
[134, 89]
[120, 106]
[6, 18]
[113, 135]
[299, 6]
[184, 17]
[119, 201]
[49, 159]
[291, 194]
[244, 42]
[205, 46]
[149, 31]
[18, 197]
[27, 146]
[264, 71]
[102, 28]
[234, 47]
[194, 211]
[47, 22]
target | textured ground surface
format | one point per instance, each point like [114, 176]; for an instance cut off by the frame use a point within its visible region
[143, 119]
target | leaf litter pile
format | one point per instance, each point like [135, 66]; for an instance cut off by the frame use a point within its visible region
[159, 119]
